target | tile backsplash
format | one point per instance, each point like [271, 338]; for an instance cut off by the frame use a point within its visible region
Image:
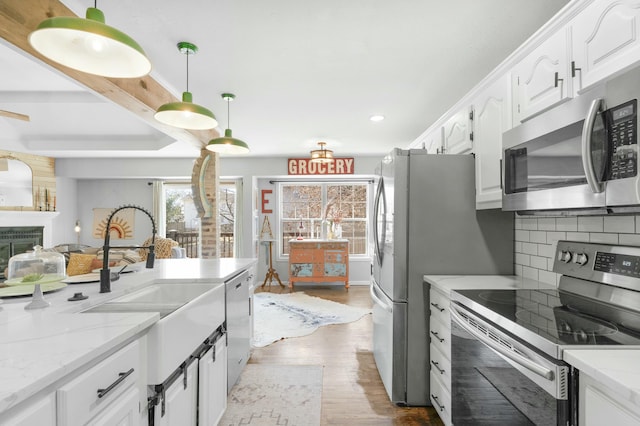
[536, 238]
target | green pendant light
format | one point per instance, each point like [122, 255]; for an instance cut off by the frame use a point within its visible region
[91, 46]
[186, 114]
[228, 144]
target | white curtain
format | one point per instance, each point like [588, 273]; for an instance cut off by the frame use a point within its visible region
[159, 208]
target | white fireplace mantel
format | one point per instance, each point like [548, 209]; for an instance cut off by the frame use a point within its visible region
[31, 218]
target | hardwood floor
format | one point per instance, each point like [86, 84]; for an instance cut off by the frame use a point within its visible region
[353, 393]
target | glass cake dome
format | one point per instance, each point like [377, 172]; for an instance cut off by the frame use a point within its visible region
[36, 267]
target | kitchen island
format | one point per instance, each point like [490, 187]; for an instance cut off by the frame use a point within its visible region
[43, 349]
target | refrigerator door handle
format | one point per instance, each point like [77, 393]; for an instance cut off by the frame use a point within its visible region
[378, 300]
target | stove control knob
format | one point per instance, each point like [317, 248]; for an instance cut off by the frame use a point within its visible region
[565, 256]
[581, 259]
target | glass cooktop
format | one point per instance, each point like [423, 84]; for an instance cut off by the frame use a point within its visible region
[559, 317]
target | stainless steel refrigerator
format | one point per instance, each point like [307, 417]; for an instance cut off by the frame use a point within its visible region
[425, 223]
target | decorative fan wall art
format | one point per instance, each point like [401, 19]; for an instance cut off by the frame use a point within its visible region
[121, 226]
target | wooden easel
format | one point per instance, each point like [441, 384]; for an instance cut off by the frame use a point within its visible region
[271, 273]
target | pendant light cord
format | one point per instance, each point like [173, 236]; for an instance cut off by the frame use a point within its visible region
[187, 70]
[228, 113]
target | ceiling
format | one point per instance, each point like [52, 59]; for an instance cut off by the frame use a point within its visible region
[302, 72]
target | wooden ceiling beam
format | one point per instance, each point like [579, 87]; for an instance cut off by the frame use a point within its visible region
[142, 96]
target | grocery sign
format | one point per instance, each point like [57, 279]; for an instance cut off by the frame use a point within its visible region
[304, 166]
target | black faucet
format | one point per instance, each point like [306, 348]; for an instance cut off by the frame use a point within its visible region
[105, 273]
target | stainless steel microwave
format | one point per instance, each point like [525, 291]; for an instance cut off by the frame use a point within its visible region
[580, 157]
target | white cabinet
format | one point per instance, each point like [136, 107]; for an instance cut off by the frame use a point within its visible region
[457, 132]
[492, 117]
[105, 394]
[542, 79]
[431, 141]
[440, 354]
[599, 406]
[605, 40]
[212, 373]
[180, 403]
[40, 411]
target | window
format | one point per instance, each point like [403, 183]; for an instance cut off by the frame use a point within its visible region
[303, 206]
[182, 221]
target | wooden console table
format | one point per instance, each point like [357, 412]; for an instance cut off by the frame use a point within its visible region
[318, 261]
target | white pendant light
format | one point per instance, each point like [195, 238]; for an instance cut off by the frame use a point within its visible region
[91, 46]
[228, 144]
[186, 114]
[322, 155]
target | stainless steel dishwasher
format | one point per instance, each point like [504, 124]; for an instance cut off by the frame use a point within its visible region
[238, 328]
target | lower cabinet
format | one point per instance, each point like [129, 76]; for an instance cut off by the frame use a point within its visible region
[179, 405]
[212, 385]
[440, 354]
[41, 412]
[600, 406]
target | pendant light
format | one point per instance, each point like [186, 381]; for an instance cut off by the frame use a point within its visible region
[186, 114]
[322, 155]
[89, 45]
[228, 144]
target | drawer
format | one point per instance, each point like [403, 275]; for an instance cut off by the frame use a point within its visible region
[439, 305]
[440, 398]
[440, 365]
[335, 256]
[80, 399]
[302, 256]
[440, 336]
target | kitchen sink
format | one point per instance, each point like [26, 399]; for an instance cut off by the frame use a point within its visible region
[189, 313]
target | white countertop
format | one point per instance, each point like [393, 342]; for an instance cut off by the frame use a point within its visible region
[617, 369]
[448, 283]
[39, 347]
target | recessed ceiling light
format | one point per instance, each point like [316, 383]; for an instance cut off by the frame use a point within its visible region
[376, 118]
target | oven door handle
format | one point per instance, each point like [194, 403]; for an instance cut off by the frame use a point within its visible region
[515, 357]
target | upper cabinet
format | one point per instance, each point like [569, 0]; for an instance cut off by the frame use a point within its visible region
[457, 132]
[605, 40]
[492, 117]
[431, 141]
[540, 80]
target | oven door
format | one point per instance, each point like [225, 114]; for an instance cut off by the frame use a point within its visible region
[496, 379]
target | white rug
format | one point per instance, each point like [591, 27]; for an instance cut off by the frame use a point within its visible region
[278, 316]
[275, 395]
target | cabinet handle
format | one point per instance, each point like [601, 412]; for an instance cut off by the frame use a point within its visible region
[557, 79]
[238, 285]
[121, 378]
[435, 305]
[437, 337]
[435, 364]
[574, 69]
[435, 398]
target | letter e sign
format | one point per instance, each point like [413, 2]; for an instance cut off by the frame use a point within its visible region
[265, 202]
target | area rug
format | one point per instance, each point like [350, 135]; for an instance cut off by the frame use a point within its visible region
[279, 316]
[275, 395]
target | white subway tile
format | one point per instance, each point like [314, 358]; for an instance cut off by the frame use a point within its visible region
[522, 235]
[600, 237]
[517, 246]
[629, 239]
[522, 259]
[538, 262]
[554, 237]
[547, 223]
[538, 236]
[638, 224]
[546, 250]
[620, 224]
[567, 224]
[550, 264]
[590, 224]
[531, 273]
[548, 277]
[578, 236]
[517, 270]
[529, 248]
[518, 222]
[530, 223]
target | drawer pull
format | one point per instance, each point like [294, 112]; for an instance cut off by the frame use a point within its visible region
[437, 337]
[123, 376]
[435, 398]
[435, 364]
[435, 305]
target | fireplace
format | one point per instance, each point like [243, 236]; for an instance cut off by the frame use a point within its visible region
[15, 240]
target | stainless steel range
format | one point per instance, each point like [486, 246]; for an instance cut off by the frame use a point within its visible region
[507, 345]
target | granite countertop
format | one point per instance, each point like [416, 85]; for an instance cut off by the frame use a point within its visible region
[39, 347]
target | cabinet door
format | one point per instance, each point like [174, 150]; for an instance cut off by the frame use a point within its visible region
[598, 406]
[181, 404]
[41, 412]
[605, 40]
[212, 373]
[432, 141]
[540, 79]
[124, 411]
[457, 133]
[492, 118]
